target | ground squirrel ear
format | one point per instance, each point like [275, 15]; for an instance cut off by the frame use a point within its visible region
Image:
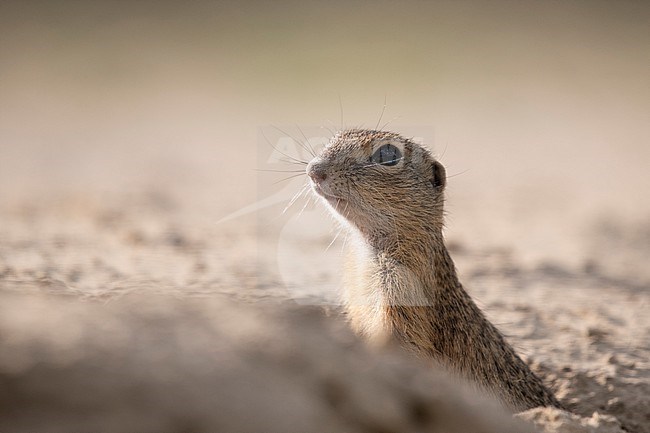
[439, 175]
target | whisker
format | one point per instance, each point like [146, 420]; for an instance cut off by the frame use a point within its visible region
[383, 109]
[332, 133]
[300, 143]
[388, 123]
[279, 171]
[443, 152]
[341, 107]
[333, 240]
[311, 149]
[287, 178]
[292, 162]
[307, 202]
[345, 240]
[374, 164]
[458, 174]
[295, 197]
[296, 160]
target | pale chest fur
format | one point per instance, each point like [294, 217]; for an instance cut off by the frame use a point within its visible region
[373, 283]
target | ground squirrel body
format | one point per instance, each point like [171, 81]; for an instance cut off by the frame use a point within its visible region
[400, 280]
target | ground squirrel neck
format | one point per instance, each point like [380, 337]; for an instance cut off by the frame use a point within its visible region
[401, 281]
[450, 328]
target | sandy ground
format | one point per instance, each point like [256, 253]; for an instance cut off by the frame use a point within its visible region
[585, 331]
[150, 281]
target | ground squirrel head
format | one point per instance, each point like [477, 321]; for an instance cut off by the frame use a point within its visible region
[381, 183]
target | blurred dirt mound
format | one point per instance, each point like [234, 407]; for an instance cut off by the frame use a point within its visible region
[152, 363]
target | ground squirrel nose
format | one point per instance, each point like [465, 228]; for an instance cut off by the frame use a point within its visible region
[316, 171]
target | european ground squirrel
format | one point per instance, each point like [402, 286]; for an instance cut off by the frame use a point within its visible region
[401, 282]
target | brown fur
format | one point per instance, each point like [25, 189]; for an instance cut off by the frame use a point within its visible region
[401, 282]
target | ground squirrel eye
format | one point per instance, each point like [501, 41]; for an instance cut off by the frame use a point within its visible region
[386, 155]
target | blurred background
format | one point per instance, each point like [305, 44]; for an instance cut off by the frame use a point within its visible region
[539, 110]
